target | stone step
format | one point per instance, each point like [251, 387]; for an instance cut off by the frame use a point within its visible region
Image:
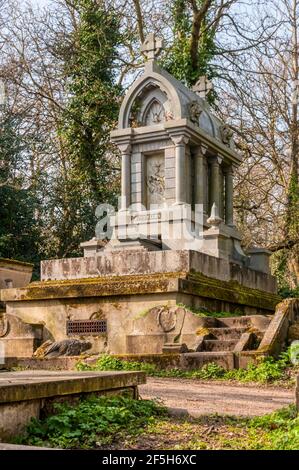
[176, 348]
[234, 322]
[226, 333]
[196, 360]
[219, 345]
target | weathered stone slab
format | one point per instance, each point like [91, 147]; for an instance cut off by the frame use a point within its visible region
[24, 394]
[276, 335]
[132, 262]
[32, 385]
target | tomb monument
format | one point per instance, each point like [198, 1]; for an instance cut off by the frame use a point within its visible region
[172, 245]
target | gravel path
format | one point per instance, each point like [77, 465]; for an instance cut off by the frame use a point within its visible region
[197, 397]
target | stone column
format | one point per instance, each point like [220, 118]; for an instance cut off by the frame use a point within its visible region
[125, 176]
[215, 181]
[229, 193]
[200, 186]
[180, 168]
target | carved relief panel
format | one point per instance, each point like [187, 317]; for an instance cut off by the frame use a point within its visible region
[155, 180]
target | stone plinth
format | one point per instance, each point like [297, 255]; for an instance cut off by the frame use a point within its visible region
[133, 262]
[24, 394]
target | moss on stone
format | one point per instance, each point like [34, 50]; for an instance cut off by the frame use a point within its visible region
[193, 283]
[100, 286]
[229, 291]
[202, 332]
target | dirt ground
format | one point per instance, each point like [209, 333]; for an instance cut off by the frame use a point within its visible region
[199, 398]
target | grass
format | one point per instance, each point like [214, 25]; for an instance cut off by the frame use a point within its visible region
[276, 431]
[267, 369]
[94, 422]
[123, 423]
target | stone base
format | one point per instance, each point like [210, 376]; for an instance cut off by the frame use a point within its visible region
[141, 313]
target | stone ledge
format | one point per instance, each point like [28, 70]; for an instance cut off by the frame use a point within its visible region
[11, 263]
[229, 291]
[94, 287]
[190, 283]
[32, 385]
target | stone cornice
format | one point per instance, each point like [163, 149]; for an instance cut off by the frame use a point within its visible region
[172, 128]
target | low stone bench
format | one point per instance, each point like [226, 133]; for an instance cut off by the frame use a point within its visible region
[23, 395]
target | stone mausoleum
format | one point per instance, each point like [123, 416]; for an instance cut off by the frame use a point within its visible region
[173, 248]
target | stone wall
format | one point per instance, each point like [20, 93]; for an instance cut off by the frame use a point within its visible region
[128, 262]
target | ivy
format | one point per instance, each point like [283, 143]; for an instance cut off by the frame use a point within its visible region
[179, 61]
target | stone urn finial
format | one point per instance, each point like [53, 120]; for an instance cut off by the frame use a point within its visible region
[214, 220]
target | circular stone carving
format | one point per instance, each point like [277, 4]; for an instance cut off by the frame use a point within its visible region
[4, 326]
[167, 319]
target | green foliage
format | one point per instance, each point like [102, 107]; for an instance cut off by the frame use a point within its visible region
[209, 371]
[91, 175]
[266, 370]
[292, 216]
[281, 429]
[287, 292]
[285, 278]
[107, 362]
[19, 228]
[200, 312]
[179, 62]
[93, 422]
[93, 105]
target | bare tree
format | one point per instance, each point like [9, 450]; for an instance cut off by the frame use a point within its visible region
[259, 104]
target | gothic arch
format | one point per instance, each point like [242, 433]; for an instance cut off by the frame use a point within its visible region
[153, 113]
[142, 85]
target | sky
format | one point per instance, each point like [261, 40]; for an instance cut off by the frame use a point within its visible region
[38, 2]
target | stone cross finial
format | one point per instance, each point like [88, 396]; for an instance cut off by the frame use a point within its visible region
[152, 46]
[203, 87]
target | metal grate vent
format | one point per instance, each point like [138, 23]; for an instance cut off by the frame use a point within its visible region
[86, 327]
